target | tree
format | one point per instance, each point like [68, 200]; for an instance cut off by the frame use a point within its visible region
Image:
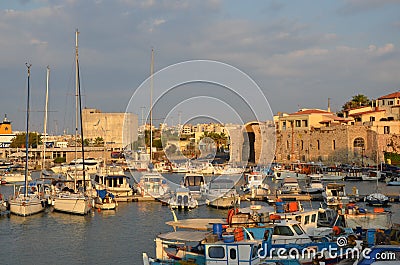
[357, 101]
[19, 140]
[99, 141]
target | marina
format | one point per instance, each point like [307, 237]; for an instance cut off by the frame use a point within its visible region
[45, 228]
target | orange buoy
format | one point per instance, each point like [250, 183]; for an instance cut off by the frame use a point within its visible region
[379, 210]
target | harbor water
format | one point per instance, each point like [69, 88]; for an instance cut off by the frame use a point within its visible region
[111, 237]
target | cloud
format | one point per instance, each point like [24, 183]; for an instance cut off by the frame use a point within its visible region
[359, 6]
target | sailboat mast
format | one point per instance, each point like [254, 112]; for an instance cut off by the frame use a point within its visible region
[78, 88]
[76, 101]
[27, 131]
[151, 104]
[45, 117]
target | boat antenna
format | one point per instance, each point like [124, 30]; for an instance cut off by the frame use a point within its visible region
[80, 112]
[151, 104]
[45, 120]
[27, 131]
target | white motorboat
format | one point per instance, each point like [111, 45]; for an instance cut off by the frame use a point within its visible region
[221, 193]
[314, 185]
[116, 183]
[153, 185]
[372, 175]
[290, 186]
[255, 184]
[377, 199]
[196, 184]
[335, 194]
[182, 199]
[15, 174]
[91, 166]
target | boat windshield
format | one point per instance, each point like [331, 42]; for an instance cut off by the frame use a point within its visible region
[283, 231]
[297, 229]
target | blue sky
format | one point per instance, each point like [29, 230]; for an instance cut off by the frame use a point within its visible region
[300, 53]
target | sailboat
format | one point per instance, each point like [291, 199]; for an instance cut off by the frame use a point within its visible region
[377, 198]
[27, 201]
[70, 201]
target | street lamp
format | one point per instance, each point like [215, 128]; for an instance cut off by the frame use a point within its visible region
[362, 155]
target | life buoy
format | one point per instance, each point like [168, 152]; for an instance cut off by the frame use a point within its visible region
[231, 213]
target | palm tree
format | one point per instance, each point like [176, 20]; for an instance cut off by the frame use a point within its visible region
[357, 101]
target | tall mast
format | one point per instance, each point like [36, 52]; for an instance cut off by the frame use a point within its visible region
[76, 100]
[79, 103]
[151, 104]
[27, 131]
[45, 118]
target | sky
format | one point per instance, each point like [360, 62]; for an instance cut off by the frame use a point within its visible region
[299, 53]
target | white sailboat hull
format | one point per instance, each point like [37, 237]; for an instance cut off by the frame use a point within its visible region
[25, 206]
[72, 204]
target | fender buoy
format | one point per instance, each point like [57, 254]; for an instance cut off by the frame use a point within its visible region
[231, 213]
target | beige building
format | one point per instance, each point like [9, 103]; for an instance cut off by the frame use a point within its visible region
[115, 128]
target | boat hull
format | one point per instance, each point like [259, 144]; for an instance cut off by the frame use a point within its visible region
[72, 204]
[24, 206]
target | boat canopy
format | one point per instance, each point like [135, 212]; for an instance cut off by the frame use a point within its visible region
[187, 236]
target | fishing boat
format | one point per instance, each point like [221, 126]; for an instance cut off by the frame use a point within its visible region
[355, 216]
[26, 202]
[373, 175]
[70, 200]
[182, 199]
[335, 194]
[221, 193]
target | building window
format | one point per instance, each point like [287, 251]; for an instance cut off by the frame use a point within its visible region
[305, 123]
[318, 146]
[302, 144]
[284, 125]
[359, 142]
[383, 102]
[334, 144]
[298, 123]
[372, 118]
[386, 129]
[390, 102]
[287, 144]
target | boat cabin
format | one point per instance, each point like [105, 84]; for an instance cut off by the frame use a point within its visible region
[195, 183]
[240, 252]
